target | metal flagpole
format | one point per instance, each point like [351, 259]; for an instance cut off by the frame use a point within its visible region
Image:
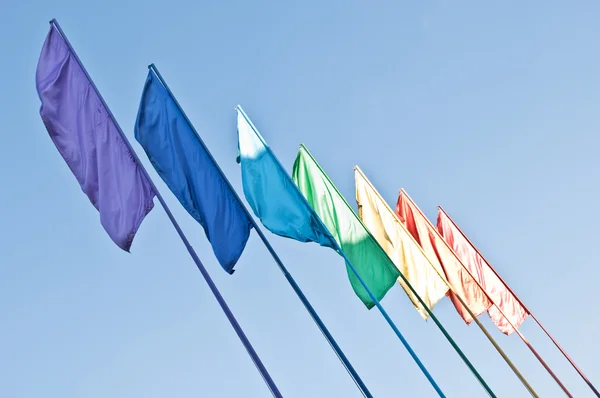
[533, 350]
[460, 299]
[257, 362]
[392, 324]
[589, 383]
[358, 381]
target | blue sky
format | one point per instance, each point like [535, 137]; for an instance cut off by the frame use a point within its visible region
[490, 110]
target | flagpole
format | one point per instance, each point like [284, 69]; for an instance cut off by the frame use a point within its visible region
[460, 299]
[392, 324]
[383, 312]
[340, 354]
[533, 350]
[257, 362]
[589, 383]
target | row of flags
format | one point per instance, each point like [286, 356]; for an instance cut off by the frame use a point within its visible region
[380, 246]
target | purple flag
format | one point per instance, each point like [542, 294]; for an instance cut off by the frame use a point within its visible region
[89, 141]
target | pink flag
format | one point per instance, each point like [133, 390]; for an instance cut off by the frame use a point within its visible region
[440, 253]
[497, 291]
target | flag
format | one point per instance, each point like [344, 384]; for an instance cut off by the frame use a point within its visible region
[189, 171]
[90, 142]
[271, 193]
[361, 249]
[425, 277]
[494, 287]
[440, 253]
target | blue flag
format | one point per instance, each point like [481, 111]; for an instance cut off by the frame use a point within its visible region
[185, 165]
[90, 142]
[272, 194]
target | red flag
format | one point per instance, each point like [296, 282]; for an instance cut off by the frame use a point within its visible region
[494, 287]
[439, 252]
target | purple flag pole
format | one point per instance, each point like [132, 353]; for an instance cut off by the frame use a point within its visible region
[236, 326]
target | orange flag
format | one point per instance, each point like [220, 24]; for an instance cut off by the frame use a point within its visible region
[440, 253]
[497, 291]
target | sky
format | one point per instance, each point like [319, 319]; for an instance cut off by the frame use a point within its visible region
[489, 109]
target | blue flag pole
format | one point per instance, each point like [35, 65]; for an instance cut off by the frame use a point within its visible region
[342, 357]
[255, 358]
[392, 324]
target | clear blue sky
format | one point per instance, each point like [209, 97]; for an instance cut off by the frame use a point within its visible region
[490, 110]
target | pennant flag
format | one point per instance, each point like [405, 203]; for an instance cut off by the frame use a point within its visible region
[90, 142]
[438, 252]
[400, 246]
[189, 171]
[497, 291]
[283, 210]
[370, 261]
[272, 194]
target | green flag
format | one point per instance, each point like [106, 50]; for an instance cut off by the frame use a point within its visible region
[361, 249]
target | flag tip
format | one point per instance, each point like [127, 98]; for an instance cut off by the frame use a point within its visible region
[53, 20]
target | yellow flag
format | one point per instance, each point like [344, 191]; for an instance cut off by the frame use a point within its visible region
[426, 278]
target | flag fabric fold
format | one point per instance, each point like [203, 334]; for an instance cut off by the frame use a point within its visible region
[90, 142]
[271, 193]
[361, 249]
[400, 246]
[438, 252]
[185, 165]
[494, 287]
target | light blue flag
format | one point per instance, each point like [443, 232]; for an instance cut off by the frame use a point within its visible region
[272, 194]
